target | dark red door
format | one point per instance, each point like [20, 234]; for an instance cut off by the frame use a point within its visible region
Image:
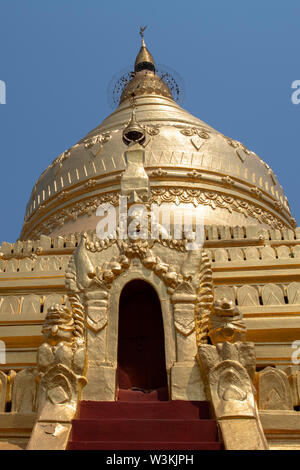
[141, 349]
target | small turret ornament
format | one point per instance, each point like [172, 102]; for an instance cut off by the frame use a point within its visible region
[133, 133]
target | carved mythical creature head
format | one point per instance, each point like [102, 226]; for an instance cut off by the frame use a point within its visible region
[226, 323]
[225, 308]
[58, 325]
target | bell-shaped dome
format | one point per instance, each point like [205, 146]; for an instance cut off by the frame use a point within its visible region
[187, 161]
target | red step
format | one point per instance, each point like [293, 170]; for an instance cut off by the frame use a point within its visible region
[147, 410]
[151, 445]
[139, 430]
[144, 425]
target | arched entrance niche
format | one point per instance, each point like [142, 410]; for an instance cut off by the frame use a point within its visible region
[141, 342]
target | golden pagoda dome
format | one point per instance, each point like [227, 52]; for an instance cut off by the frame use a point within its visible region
[187, 161]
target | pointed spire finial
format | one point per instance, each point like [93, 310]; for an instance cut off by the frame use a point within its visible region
[144, 60]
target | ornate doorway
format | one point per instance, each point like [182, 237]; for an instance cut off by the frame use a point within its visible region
[141, 344]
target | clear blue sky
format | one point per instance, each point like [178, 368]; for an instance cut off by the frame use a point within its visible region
[237, 58]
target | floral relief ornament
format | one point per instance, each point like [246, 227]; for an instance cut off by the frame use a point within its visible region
[160, 195]
[95, 144]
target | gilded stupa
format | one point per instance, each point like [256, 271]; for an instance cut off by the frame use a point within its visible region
[98, 330]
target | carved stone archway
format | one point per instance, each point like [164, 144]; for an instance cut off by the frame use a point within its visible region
[99, 270]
